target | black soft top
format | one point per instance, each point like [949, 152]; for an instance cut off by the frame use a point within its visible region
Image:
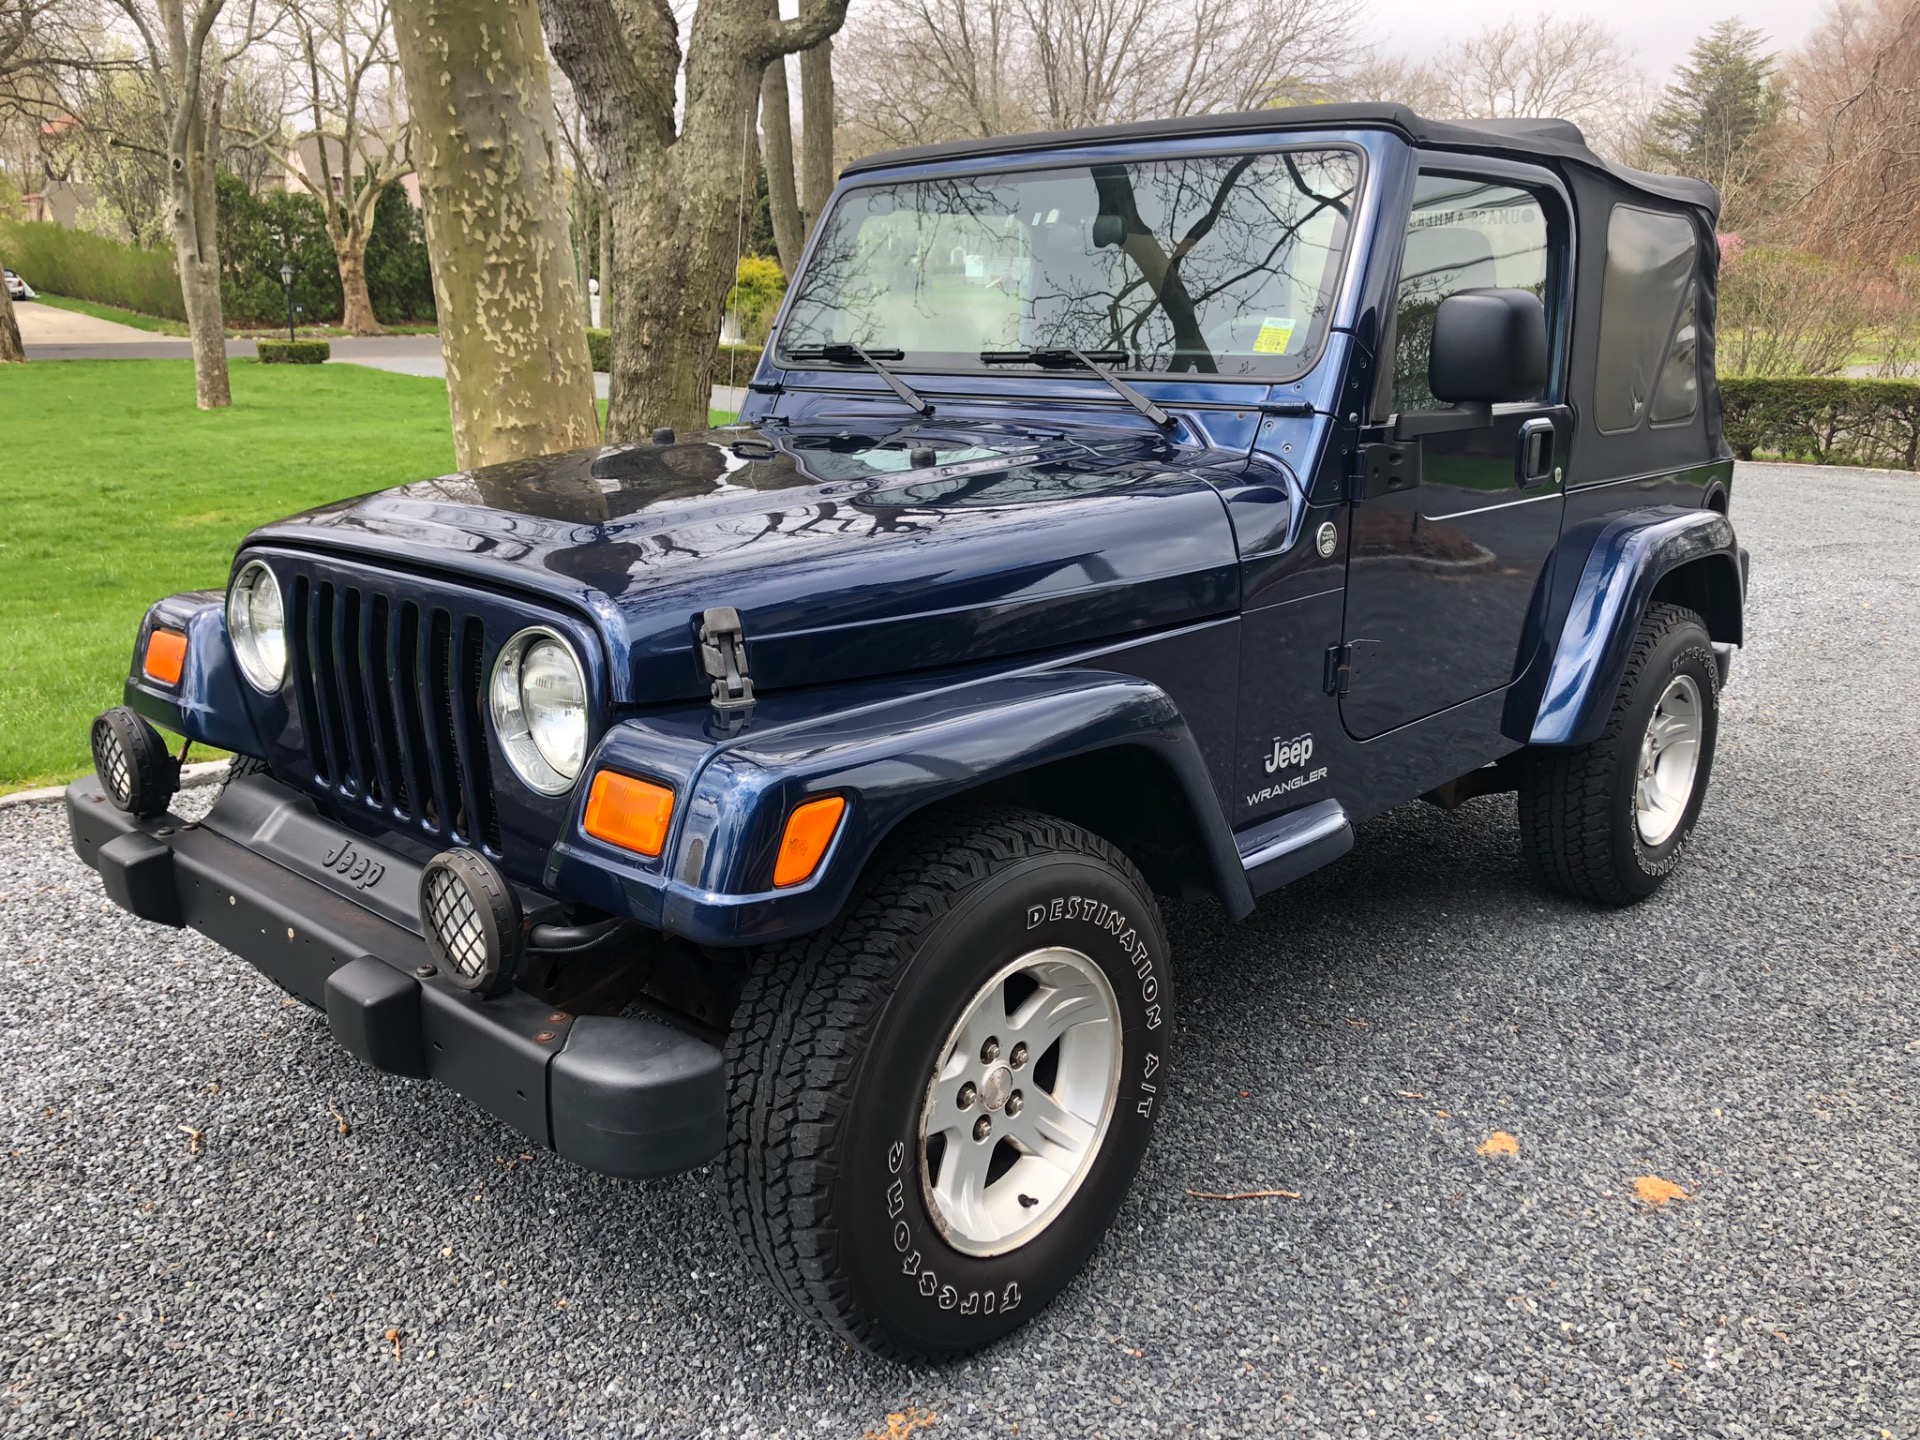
[1527, 139]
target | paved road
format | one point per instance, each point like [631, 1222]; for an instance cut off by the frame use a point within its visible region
[1753, 1035]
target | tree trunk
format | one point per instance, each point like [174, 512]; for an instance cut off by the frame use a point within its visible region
[605, 261]
[357, 317]
[776, 124]
[668, 307]
[194, 220]
[10, 347]
[519, 379]
[678, 193]
[816, 130]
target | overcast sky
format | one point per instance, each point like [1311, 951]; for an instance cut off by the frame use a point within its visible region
[1657, 31]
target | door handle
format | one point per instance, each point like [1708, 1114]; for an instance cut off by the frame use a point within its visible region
[1534, 458]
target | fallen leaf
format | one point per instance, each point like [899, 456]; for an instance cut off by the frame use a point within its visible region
[340, 1125]
[1244, 1194]
[1499, 1143]
[1656, 1192]
[196, 1139]
[903, 1423]
[393, 1339]
[1411, 1094]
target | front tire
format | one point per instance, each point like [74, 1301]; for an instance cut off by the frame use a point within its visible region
[1609, 821]
[937, 1105]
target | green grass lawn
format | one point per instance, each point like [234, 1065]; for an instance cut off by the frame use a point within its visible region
[115, 491]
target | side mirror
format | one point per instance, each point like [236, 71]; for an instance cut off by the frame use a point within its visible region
[1488, 346]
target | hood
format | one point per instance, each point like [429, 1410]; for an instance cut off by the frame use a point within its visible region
[846, 555]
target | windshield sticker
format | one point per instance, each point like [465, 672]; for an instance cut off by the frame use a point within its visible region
[1273, 337]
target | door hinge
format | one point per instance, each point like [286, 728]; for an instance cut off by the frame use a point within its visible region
[1385, 467]
[1339, 669]
[1345, 664]
[723, 655]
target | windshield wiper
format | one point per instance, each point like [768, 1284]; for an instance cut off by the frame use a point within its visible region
[847, 353]
[1066, 357]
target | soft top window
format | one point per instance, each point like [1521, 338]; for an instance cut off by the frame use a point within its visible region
[1220, 265]
[1650, 265]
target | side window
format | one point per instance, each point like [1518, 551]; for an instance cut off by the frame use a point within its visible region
[1647, 321]
[1677, 395]
[1463, 234]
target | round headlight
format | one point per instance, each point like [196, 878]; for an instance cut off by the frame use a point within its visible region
[539, 702]
[257, 624]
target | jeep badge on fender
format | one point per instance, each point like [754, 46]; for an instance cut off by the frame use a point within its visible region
[795, 796]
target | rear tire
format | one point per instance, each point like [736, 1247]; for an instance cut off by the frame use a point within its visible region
[1609, 821]
[879, 1168]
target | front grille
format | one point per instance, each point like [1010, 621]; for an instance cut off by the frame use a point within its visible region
[391, 694]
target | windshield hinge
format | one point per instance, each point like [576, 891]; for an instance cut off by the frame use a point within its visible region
[723, 655]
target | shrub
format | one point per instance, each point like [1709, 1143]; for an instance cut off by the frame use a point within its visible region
[294, 352]
[758, 285]
[91, 267]
[1789, 313]
[1827, 421]
[737, 361]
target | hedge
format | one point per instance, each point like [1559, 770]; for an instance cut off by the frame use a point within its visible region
[257, 234]
[1830, 422]
[89, 267]
[739, 361]
[294, 352]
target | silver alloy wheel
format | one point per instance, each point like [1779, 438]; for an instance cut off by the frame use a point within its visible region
[1001, 1154]
[1669, 761]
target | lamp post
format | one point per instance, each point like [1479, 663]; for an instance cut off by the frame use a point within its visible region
[286, 283]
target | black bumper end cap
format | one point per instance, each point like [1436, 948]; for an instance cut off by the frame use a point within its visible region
[374, 1010]
[136, 871]
[637, 1099]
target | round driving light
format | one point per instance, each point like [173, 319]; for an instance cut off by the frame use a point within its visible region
[257, 624]
[132, 762]
[538, 699]
[470, 917]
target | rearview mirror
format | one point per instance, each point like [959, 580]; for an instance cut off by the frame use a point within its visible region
[1488, 346]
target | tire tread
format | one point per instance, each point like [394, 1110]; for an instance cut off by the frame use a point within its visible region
[797, 1041]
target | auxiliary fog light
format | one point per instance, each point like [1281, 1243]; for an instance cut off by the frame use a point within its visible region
[131, 759]
[470, 916]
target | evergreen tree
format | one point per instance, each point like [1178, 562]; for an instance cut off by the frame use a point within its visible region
[1713, 119]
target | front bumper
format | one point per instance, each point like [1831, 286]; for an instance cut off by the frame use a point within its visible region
[625, 1096]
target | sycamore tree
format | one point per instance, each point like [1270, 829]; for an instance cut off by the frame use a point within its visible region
[680, 178]
[518, 377]
[353, 115]
[188, 49]
[31, 35]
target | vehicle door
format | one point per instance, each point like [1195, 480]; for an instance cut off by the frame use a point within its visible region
[1456, 509]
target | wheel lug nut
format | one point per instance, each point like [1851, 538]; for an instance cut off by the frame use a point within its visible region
[968, 1095]
[990, 1051]
[982, 1128]
[1019, 1056]
[1014, 1102]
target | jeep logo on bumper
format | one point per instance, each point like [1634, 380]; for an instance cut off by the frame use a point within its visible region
[348, 863]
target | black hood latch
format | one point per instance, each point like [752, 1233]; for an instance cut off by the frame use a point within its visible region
[723, 655]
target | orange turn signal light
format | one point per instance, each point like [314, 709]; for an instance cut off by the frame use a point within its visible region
[166, 656]
[630, 813]
[810, 830]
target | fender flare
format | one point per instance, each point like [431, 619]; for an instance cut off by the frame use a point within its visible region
[208, 705]
[889, 760]
[1589, 623]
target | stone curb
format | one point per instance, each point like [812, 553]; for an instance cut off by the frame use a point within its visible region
[191, 778]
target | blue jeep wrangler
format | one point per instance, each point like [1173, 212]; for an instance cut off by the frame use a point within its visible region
[1114, 513]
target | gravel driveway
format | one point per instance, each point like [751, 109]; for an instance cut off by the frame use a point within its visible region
[192, 1241]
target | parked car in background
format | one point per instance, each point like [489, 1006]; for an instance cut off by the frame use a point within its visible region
[1113, 514]
[18, 289]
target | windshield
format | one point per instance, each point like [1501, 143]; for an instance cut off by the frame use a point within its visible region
[1220, 265]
